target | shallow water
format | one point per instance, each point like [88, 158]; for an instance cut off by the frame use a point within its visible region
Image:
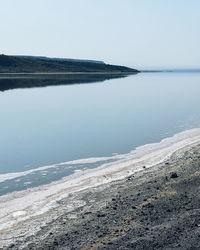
[45, 126]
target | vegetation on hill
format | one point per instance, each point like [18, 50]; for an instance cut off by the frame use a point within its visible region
[15, 64]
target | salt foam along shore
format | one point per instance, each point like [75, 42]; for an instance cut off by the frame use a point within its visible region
[19, 207]
[10, 176]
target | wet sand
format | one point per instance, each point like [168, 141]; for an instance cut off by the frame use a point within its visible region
[154, 208]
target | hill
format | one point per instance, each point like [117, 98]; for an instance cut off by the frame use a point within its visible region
[30, 64]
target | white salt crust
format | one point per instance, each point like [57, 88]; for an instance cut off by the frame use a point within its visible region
[18, 207]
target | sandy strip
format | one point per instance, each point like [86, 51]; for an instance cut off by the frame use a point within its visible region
[19, 208]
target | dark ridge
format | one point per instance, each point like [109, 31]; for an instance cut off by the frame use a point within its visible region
[16, 64]
[60, 59]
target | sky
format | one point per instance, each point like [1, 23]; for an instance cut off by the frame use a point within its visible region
[136, 33]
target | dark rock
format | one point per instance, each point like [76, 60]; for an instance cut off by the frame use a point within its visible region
[101, 215]
[174, 175]
[12, 246]
[87, 213]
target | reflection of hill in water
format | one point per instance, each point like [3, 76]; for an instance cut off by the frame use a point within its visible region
[13, 81]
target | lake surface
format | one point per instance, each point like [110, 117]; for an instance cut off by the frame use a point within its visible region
[51, 125]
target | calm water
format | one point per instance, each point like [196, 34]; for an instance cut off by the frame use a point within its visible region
[43, 126]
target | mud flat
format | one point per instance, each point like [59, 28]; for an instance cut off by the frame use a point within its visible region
[148, 199]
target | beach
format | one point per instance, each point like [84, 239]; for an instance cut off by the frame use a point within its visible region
[100, 125]
[147, 199]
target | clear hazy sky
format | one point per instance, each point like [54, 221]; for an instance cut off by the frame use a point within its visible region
[140, 33]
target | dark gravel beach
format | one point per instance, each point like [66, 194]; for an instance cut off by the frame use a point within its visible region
[158, 208]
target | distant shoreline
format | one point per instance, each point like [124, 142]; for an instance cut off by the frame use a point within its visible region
[31, 64]
[70, 73]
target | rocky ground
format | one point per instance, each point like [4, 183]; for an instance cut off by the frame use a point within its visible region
[158, 208]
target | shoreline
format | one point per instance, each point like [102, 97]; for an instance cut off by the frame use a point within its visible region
[19, 210]
[69, 73]
[156, 209]
[186, 136]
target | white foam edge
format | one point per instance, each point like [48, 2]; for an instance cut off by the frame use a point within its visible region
[36, 201]
[10, 176]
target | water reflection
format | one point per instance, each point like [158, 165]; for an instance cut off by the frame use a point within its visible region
[13, 81]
